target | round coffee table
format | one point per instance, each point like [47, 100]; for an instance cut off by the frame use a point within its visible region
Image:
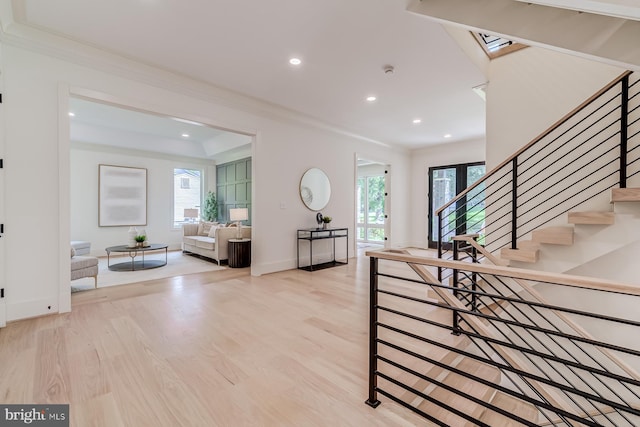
[134, 252]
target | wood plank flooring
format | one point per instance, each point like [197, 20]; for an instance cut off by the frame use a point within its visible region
[208, 349]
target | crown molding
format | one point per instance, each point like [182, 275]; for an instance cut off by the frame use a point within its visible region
[66, 49]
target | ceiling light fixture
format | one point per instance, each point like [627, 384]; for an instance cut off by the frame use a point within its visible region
[185, 135]
[71, 114]
[295, 61]
[371, 98]
[416, 121]
[448, 135]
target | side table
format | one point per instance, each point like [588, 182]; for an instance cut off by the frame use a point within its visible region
[239, 253]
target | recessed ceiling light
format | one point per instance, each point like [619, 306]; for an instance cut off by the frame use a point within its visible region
[416, 121]
[185, 135]
[371, 98]
[448, 135]
[295, 61]
[71, 114]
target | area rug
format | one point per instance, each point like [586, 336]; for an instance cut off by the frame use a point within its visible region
[178, 264]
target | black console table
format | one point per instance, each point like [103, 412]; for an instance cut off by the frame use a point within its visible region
[314, 234]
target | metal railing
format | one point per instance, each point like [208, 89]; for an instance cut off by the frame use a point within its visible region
[557, 374]
[594, 148]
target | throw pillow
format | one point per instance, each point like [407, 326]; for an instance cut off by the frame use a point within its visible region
[73, 252]
[212, 231]
[204, 227]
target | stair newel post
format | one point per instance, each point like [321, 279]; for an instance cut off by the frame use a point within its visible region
[373, 333]
[624, 123]
[474, 279]
[440, 244]
[454, 279]
[514, 203]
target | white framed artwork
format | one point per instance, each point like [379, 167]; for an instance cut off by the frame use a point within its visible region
[122, 196]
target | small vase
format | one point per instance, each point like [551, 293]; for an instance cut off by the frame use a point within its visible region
[140, 244]
[131, 241]
[325, 225]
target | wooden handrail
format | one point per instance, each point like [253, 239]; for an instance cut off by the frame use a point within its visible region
[518, 273]
[566, 319]
[507, 355]
[535, 140]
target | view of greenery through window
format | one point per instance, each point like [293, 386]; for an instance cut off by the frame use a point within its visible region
[371, 208]
[187, 194]
[446, 183]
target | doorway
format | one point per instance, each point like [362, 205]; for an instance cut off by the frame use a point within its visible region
[372, 203]
[445, 183]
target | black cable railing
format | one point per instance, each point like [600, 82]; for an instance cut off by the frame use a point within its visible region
[490, 314]
[590, 151]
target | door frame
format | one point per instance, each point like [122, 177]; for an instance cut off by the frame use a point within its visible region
[461, 184]
[387, 201]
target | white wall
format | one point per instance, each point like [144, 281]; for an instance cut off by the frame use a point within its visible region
[37, 197]
[529, 90]
[421, 161]
[85, 159]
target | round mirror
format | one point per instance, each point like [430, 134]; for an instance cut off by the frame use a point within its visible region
[315, 189]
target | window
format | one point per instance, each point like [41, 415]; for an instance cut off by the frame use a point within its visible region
[187, 194]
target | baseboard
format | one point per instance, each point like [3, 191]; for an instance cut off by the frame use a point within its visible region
[268, 268]
[33, 308]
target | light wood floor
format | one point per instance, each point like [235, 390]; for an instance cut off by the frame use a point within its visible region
[209, 349]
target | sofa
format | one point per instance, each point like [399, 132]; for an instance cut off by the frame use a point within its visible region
[210, 239]
[84, 266]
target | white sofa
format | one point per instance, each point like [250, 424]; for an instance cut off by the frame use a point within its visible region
[210, 240]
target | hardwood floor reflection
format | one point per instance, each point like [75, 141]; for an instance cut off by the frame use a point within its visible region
[209, 349]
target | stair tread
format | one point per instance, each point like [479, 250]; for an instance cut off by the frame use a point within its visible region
[523, 255]
[512, 405]
[560, 235]
[625, 195]
[591, 218]
[466, 386]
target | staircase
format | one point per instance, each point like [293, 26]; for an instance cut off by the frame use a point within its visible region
[518, 357]
[491, 351]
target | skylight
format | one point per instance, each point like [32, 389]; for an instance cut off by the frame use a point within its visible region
[495, 46]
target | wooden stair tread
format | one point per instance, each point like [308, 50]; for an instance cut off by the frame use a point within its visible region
[553, 235]
[523, 255]
[625, 195]
[512, 405]
[592, 218]
[528, 244]
[465, 386]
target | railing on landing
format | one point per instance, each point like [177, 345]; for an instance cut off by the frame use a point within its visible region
[594, 148]
[556, 375]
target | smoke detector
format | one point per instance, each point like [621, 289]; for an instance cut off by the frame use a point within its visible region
[388, 69]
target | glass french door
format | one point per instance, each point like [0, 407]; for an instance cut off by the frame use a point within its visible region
[445, 183]
[370, 226]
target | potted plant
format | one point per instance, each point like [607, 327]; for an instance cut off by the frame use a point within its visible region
[140, 240]
[210, 210]
[325, 221]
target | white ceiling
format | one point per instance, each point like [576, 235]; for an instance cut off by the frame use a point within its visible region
[104, 124]
[245, 45]
[344, 45]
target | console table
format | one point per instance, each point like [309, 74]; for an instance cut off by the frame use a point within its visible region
[315, 234]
